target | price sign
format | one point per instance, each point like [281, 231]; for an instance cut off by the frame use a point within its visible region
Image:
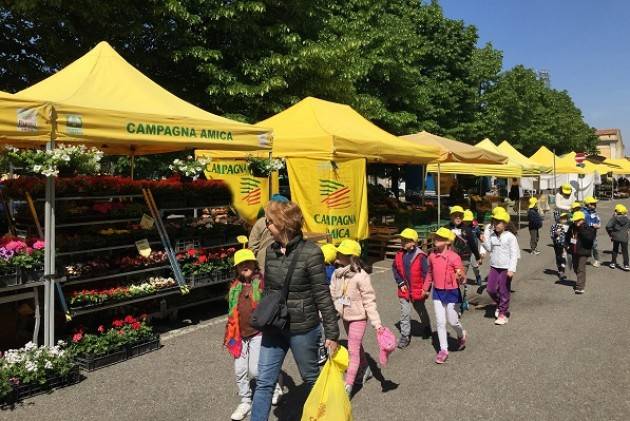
[147, 222]
[144, 248]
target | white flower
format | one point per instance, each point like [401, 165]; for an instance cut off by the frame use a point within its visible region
[61, 343]
[30, 346]
[37, 168]
[30, 366]
[48, 365]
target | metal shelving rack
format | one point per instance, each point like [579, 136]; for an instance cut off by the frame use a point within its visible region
[58, 283]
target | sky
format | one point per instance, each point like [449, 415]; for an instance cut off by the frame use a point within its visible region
[584, 44]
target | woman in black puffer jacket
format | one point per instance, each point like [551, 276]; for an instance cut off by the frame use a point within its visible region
[309, 295]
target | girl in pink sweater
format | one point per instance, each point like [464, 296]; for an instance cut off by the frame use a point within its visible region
[355, 301]
[445, 274]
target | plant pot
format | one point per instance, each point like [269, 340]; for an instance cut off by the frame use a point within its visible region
[92, 362]
[32, 275]
[9, 278]
[23, 391]
[143, 347]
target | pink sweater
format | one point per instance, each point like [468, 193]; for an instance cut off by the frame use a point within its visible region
[443, 270]
[358, 289]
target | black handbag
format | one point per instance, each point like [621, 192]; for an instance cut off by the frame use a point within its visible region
[272, 312]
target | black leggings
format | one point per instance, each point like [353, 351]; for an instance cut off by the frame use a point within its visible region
[561, 261]
[624, 252]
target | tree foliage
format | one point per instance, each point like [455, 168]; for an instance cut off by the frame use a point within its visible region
[402, 63]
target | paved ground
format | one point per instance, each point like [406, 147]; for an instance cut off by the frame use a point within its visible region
[561, 357]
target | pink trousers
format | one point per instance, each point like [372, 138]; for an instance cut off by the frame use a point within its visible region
[355, 330]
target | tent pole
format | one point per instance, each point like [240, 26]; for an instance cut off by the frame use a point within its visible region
[49, 256]
[439, 199]
[133, 161]
[269, 181]
[555, 187]
[424, 182]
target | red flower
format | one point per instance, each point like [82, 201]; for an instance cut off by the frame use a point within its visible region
[203, 259]
[118, 323]
[130, 320]
[77, 337]
[121, 332]
[136, 326]
[192, 253]
[101, 329]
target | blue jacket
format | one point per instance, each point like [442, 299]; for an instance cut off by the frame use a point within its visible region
[534, 219]
[592, 218]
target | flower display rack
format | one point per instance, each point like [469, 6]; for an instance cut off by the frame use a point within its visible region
[133, 350]
[92, 362]
[24, 391]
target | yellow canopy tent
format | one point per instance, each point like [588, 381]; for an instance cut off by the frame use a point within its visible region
[530, 168]
[621, 166]
[454, 151]
[23, 120]
[604, 167]
[545, 157]
[318, 129]
[102, 100]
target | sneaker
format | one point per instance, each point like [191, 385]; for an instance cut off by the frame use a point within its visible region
[496, 313]
[626, 268]
[612, 266]
[441, 357]
[277, 395]
[367, 375]
[501, 320]
[461, 342]
[403, 342]
[348, 388]
[596, 264]
[536, 252]
[241, 411]
[579, 291]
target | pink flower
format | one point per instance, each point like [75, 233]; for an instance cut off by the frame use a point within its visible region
[101, 329]
[77, 337]
[15, 245]
[39, 245]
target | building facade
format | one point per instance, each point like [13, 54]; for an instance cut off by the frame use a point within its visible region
[610, 143]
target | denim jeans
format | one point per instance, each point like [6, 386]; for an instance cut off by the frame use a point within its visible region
[275, 346]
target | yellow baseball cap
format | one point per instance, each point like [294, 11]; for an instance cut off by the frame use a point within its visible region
[577, 216]
[590, 200]
[445, 233]
[619, 208]
[349, 248]
[498, 209]
[409, 234]
[532, 202]
[468, 216]
[564, 215]
[330, 253]
[244, 255]
[566, 188]
[576, 204]
[457, 209]
[502, 216]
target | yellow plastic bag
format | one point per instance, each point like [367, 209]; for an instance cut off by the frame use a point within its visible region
[328, 400]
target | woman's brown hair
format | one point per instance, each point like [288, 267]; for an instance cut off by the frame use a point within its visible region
[287, 217]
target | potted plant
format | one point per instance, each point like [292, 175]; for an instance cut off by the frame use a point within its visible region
[263, 167]
[190, 168]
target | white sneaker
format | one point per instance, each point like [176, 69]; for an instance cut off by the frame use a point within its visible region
[277, 395]
[348, 389]
[496, 313]
[596, 264]
[501, 320]
[241, 411]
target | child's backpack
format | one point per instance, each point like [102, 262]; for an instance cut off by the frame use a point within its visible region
[460, 245]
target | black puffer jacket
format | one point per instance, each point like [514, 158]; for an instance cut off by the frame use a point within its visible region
[308, 289]
[584, 239]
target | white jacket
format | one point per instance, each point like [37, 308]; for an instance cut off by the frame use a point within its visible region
[504, 250]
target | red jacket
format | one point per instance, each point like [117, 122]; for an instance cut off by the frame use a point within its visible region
[418, 269]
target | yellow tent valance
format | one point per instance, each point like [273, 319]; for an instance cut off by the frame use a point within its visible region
[24, 120]
[102, 100]
[318, 129]
[454, 151]
[479, 170]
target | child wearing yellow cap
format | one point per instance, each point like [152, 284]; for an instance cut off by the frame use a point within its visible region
[593, 220]
[445, 275]
[563, 200]
[410, 269]
[617, 229]
[558, 234]
[502, 246]
[579, 242]
[465, 243]
[535, 223]
[241, 339]
[355, 301]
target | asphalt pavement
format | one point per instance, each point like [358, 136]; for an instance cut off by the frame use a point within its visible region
[560, 357]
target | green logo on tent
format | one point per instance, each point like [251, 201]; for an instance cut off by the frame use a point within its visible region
[335, 195]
